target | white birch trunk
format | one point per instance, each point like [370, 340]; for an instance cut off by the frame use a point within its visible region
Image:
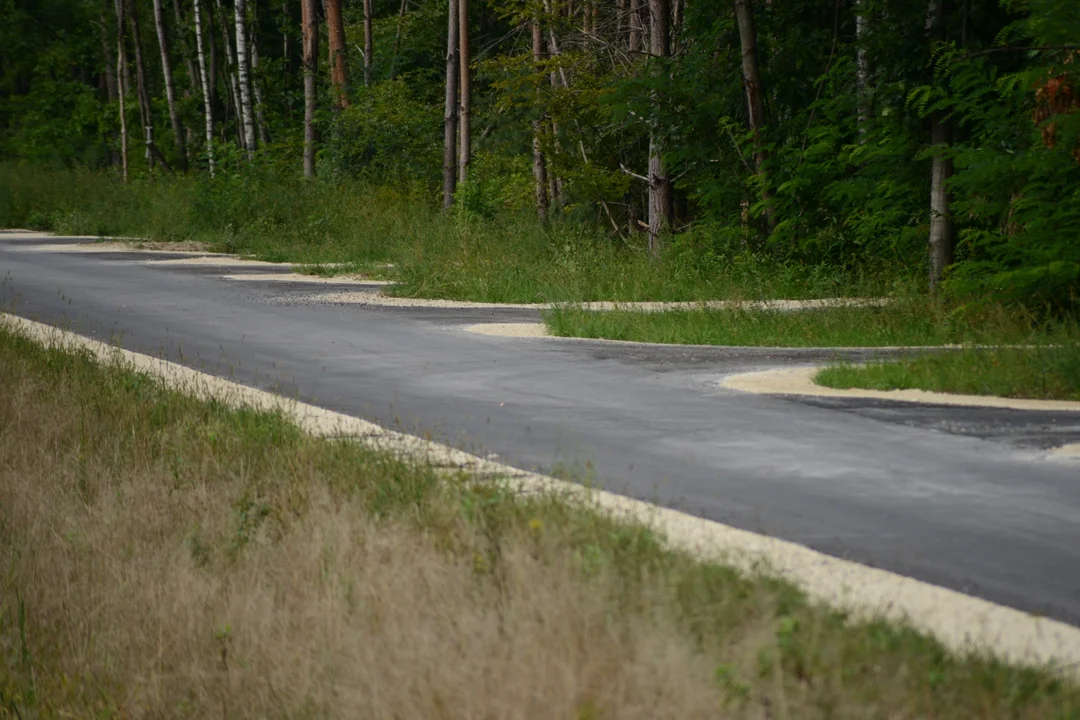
[247, 113]
[208, 107]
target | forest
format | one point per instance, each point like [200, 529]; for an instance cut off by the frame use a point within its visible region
[702, 148]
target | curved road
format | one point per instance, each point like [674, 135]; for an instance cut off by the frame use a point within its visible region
[958, 497]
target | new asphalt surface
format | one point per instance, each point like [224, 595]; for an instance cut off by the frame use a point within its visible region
[964, 498]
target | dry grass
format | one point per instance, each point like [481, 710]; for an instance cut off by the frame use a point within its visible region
[161, 557]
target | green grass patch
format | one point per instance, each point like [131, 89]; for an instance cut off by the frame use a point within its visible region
[1042, 373]
[908, 321]
[510, 257]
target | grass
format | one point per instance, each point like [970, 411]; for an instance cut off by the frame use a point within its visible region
[170, 557]
[1044, 373]
[508, 258]
[912, 321]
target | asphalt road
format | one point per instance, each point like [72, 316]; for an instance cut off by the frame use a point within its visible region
[958, 497]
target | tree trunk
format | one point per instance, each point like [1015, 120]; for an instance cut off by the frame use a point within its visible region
[110, 61]
[465, 79]
[140, 81]
[397, 40]
[247, 111]
[369, 49]
[170, 86]
[194, 81]
[450, 115]
[659, 183]
[335, 35]
[755, 96]
[208, 106]
[942, 241]
[635, 26]
[539, 163]
[311, 68]
[121, 61]
[862, 69]
[256, 86]
[230, 70]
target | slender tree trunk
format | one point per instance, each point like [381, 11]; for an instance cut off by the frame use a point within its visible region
[121, 61]
[170, 85]
[256, 86]
[208, 106]
[109, 57]
[465, 79]
[335, 36]
[397, 40]
[194, 82]
[140, 81]
[539, 163]
[247, 111]
[311, 69]
[862, 69]
[660, 208]
[942, 241]
[755, 97]
[230, 71]
[450, 115]
[369, 48]
[635, 26]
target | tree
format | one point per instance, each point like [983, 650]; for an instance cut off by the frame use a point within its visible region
[247, 112]
[143, 91]
[660, 207]
[450, 115]
[755, 96]
[230, 70]
[208, 105]
[310, 20]
[170, 85]
[465, 91]
[539, 163]
[335, 34]
[121, 62]
[942, 241]
[369, 50]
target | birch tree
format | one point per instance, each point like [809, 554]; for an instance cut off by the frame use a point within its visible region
[208, 106]
[170, 85]
[230, 70]
[247, 112]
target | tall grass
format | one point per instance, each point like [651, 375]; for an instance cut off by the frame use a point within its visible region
[907, 320]
[168, 557]
[1042, 372]
[508, 257]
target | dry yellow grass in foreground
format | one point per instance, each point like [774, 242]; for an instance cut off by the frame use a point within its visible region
[162, 556]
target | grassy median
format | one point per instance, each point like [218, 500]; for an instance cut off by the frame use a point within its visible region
[162, 556]
[1050, 372]
[912, 320]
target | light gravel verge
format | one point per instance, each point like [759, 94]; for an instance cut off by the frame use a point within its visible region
[961, 622]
